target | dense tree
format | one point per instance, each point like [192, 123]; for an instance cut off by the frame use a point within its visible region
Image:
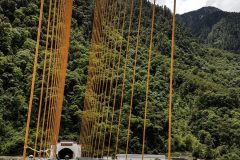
[214, 27]
[206, 114]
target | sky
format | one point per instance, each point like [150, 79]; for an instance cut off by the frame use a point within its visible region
[184, 6]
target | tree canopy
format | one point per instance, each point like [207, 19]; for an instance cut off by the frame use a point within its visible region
[206, 112]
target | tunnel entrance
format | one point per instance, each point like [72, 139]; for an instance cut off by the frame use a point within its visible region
[64, 152]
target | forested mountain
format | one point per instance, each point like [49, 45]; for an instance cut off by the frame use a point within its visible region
[214, 27]
[206, 112]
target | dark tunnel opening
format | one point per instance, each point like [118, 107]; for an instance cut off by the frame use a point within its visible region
[65, 152]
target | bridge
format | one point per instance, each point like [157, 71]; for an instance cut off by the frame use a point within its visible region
[111, 39]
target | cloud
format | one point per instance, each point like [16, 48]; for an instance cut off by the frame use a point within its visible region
[226, 5]
[184, 6]
[189, 5]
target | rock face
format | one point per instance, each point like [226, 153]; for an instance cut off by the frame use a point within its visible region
[213, 26]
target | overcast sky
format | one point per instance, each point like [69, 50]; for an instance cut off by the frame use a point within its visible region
[184, 6]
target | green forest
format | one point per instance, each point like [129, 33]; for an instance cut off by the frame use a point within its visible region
[206, 100]
[214, 27]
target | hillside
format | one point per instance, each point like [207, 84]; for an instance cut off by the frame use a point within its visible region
[206, 112]
[214, 27]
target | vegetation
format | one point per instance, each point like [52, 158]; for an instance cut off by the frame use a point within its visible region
[214, 27]
[206, 113]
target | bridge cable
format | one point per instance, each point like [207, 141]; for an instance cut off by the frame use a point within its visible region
[48, 79]
[171, 81]
[33, 80]
[106, 58]
[117, 77]
[101, 80]
[111, 34]
[43, 78]
[112, 75]
[124, 76]
[148, 80]
[133, 79]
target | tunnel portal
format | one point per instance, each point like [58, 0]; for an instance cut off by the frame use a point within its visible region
[65, 152]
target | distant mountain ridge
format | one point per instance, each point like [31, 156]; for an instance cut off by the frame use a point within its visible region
[213, 26]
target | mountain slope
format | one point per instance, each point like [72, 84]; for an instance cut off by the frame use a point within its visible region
[214, 27]
[206, 113]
